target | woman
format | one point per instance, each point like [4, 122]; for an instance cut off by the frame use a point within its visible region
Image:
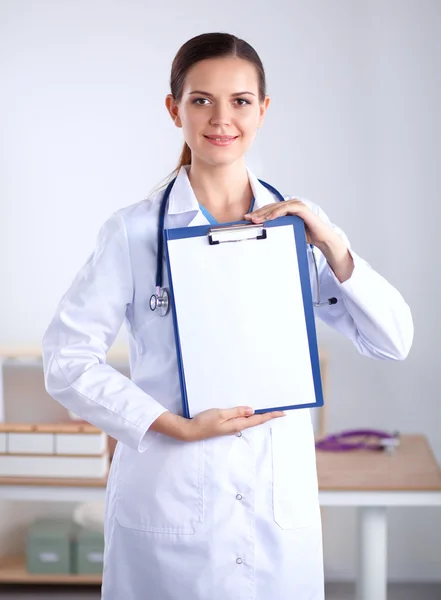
[223, 506]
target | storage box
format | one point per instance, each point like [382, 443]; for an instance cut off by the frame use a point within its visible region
[30, 443]
[87, 467]
[88, 552]
[49, 546]
[53, 450]
[80, 443]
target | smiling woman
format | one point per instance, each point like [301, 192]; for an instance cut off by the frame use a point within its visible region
[223, 505]
[219, 103]
[223, 95]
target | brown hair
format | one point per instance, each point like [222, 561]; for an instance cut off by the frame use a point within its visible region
[202, 47]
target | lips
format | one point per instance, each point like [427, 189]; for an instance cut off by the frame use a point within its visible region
[222, 138]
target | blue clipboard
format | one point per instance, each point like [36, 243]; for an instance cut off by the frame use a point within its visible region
[182, 233]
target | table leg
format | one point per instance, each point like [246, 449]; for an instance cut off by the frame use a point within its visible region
[372, 553]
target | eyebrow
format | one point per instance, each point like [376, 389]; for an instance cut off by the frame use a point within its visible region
[208, 93]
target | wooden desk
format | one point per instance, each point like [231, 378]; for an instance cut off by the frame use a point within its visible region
[373, 481]
[370, 481]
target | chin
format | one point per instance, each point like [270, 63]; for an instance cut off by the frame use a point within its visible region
[221, 161]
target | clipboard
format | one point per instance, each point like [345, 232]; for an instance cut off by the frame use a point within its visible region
[243, 316]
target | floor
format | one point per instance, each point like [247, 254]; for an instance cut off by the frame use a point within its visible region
[334, 591]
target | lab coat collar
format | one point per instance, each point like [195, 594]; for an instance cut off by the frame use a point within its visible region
[182, 197]
[262, 196]
[183, 200]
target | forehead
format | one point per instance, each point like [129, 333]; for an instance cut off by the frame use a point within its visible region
[222, 74]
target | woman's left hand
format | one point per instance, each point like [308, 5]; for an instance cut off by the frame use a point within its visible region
[318, 233]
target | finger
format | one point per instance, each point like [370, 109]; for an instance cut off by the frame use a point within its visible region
[289, 202]
[241, 423]
[261, 218]
[237, 412]
[273, 415]
[285, 208]
[261, 213]
[274, 213]
[268, 217]
[262, 418]
[292, 205]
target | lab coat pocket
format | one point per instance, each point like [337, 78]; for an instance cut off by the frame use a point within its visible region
[295, 489]
[161, 490]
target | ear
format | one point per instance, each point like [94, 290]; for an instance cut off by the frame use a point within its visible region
[263, 108]
[173, 109]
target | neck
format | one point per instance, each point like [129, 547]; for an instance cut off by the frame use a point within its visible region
[222, 188]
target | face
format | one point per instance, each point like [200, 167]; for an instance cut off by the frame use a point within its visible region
[220, 110]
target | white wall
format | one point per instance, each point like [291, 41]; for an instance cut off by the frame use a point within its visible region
[355, 118]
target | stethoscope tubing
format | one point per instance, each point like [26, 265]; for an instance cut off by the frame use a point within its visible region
[341, 442]
[161, 298]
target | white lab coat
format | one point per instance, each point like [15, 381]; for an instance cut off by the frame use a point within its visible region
[228, 518]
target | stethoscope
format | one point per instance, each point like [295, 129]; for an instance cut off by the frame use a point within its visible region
[161, 300]
[360, 439]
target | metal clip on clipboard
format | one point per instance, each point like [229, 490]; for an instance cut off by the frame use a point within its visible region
[235, 233]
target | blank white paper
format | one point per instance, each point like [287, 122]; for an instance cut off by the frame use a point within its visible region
[241, 322]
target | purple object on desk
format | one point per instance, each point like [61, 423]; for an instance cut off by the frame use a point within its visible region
[341, 442]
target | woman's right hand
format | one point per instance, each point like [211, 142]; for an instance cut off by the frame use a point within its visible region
[225, 421]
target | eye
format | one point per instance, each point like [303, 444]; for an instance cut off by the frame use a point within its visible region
[200, 101]
[243, 101]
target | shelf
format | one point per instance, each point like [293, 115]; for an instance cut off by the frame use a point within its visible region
[13, 570]
[57, 482]
[32, 354]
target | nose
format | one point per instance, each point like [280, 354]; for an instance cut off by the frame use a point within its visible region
[220, 116]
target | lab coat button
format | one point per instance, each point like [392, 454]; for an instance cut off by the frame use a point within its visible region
[239, 561]
[239, 434]
[239, 497]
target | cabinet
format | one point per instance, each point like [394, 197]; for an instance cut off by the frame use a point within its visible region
[15, 365]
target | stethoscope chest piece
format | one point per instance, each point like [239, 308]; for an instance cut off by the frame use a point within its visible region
[160, 302]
